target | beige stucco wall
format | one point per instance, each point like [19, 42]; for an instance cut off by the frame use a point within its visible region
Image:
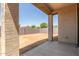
[67, 24]
[9, 35]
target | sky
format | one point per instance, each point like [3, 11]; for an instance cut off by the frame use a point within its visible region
[30, 15]
[55, 19]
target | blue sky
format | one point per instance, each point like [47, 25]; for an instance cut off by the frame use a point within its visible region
[30, 15]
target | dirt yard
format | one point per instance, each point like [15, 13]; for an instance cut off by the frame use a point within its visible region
[29, 39]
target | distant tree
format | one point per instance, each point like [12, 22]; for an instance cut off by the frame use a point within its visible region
[43, 25]
[38, 27]
[33, 26]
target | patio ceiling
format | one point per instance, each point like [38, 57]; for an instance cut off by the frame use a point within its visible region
[48, 8]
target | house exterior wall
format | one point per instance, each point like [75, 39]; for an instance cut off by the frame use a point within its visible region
[67, 27]
[9, 34]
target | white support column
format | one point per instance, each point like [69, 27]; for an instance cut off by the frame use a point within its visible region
[50, 27]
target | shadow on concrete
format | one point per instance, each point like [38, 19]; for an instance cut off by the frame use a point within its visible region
[31, 46]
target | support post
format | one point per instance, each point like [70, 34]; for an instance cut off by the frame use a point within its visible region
[50, 27]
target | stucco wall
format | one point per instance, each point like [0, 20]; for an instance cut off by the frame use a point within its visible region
[9, 34]
[67, 24]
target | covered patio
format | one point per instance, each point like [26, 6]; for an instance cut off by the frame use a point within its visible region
[68, 25]
[53, 49]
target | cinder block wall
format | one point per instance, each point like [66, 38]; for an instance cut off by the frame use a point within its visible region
[67, 24]
[29, 30]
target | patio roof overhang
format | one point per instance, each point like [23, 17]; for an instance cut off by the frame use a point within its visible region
[43, 7]
[48, 8]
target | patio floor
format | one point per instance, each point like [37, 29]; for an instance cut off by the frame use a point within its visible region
[30, 41]
[53, 49]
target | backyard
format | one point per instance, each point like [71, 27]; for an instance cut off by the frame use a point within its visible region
[30, 39]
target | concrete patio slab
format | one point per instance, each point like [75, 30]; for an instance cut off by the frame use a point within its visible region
[53, 49]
